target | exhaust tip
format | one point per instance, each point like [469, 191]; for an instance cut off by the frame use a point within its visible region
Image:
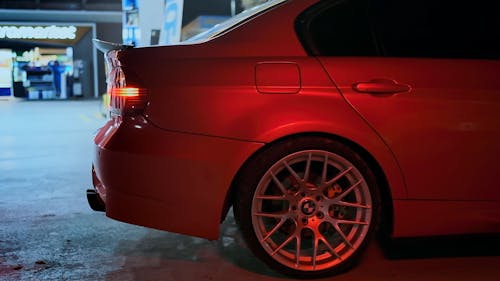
[95, 201]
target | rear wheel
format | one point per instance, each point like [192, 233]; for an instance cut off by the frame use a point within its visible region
[307, 206]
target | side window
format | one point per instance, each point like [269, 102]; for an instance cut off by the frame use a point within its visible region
[338, 28]
[438, 29]
[396, 28]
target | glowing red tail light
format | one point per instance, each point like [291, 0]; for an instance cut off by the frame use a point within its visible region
[128, 101]
[127, 97]
[127, 92]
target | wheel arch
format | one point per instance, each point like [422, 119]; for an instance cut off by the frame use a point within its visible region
[386, 223]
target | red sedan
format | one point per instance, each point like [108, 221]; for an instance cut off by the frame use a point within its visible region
[319, 122]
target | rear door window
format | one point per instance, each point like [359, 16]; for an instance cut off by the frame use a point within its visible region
[438, 29]
[395, 28]
[338, 28]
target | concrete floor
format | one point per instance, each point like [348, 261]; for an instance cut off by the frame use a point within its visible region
[48, 232]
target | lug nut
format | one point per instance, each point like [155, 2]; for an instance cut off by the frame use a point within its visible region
[304, 220]
[319, 215]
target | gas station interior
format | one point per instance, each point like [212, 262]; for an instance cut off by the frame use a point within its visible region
[45, 70]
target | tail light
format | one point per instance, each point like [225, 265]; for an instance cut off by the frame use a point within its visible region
[127, 96]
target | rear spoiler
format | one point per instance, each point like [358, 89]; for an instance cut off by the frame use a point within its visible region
[105, 46]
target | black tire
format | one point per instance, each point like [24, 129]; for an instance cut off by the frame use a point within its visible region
[276, 208]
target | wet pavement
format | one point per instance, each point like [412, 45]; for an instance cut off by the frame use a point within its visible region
[48, 232]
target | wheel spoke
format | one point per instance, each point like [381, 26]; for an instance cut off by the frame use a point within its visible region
[354, 205]
[325, 169]
[308, 167]
[297, 252]
[279, 184]
[293, 173]
[337, 177]
[272, 215]
[286, 242]
[329, 246]
[342, 235]
[315, 251]
[271, 197]
[275, 228]
[347, 191]
[351, 222]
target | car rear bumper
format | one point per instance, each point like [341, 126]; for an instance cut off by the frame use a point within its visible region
[165, 180]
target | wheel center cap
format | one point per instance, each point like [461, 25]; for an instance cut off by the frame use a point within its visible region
[308, 207]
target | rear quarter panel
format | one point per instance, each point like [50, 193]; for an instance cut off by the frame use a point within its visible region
[218, 97]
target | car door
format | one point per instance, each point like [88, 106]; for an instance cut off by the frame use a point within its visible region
[439, 117]
[431, 91]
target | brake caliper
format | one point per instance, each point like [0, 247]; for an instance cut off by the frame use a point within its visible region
[333, 191]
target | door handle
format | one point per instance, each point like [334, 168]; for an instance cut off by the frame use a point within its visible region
[381, 86]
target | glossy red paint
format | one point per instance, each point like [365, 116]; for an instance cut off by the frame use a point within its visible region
[446, 121]
[177, 182]
[430, 127]
[277, 77]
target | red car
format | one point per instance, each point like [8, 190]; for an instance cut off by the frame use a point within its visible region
[319, 122]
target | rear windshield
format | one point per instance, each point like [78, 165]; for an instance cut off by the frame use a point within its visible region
[233, 21]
